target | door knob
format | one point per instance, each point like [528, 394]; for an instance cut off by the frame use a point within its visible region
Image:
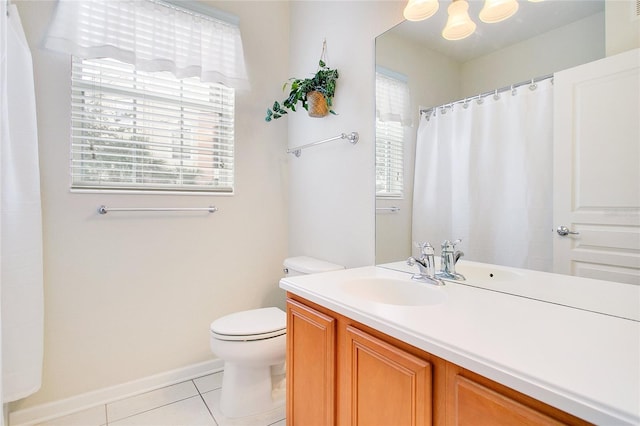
[564, 231]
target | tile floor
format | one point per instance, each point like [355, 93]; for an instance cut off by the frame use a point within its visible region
[190, 403]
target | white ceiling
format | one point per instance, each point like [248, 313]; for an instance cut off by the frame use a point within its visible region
[530, 20]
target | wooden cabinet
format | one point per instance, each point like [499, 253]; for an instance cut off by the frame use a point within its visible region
[340, 372]
[310, 366]
[384, 385]
[474, 400]
[475, 405]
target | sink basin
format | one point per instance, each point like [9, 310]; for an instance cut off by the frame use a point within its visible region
[392, 291]
[476, 273]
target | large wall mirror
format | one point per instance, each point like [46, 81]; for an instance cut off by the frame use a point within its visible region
[540, 39]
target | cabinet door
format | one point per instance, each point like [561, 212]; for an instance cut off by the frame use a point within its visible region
[472, 403]
[310, 366]
[384, 384]
[476, 405]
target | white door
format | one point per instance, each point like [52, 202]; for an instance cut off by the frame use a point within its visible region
[597, 169]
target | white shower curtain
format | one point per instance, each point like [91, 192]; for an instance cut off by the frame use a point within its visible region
[21, 270]
[3, 135]
[484, 174]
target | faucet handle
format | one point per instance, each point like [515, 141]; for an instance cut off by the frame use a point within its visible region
[450, 245]
[426, 249]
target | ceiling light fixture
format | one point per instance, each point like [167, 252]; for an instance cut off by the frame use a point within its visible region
[498, 10]
[459, 25]
[417, 10]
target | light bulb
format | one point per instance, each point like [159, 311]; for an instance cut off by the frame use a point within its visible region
[417, 10]
[498, 10]
[459, 25]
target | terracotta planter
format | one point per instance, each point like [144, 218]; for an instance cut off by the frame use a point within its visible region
[317, 104]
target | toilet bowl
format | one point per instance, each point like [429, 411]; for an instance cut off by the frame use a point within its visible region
[252, 345]
[249, 342]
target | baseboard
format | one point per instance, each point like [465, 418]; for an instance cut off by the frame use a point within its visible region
[63, 407]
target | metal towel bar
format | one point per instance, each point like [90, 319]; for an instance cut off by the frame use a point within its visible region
[104, 209]
[353, 137]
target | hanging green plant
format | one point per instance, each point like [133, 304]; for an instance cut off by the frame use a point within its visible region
[315, 94]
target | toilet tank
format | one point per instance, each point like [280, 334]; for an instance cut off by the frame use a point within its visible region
[303, 265]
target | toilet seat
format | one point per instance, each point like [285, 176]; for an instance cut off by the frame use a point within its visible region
[248, 337]
[255, 324]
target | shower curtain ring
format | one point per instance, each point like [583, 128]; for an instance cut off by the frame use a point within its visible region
[533, 85]
[496, 96]
[513, 90]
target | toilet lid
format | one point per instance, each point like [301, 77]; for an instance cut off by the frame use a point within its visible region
[254, 324]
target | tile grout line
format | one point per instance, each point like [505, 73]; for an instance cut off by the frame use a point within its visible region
[205, 403]
[155, 408]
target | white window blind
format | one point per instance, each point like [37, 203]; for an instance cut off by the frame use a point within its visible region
[392, 99]
[151, 131]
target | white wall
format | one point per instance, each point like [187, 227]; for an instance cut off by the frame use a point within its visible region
[566, 47]
[332, 186]
[622, 25]
[129, 295]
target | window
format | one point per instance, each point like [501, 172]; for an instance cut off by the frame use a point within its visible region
[392, 99]
[153, 92]
[389, 159]
[149, 131]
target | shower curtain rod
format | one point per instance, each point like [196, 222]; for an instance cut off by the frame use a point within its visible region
[495, 92]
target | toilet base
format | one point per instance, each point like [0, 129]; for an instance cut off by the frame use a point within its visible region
[248, 391]
[270, 417]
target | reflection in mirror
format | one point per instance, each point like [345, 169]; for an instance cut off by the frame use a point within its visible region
[541, 39]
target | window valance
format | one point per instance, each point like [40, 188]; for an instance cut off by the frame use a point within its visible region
[392, 97]
[153, 36]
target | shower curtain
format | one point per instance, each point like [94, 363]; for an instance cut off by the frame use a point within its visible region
[21, 270]
[483, 173]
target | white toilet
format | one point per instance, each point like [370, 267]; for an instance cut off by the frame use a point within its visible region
[252, 342]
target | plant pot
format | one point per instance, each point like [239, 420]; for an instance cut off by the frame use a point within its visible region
[317, 104]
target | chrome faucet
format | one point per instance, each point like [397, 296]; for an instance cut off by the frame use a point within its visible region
[448, 259]
[426, 265]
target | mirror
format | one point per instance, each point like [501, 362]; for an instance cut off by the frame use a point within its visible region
[540, 39]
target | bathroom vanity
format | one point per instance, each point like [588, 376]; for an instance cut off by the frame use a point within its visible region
[370, 346]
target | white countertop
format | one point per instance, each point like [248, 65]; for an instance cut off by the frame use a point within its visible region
[522, 333]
